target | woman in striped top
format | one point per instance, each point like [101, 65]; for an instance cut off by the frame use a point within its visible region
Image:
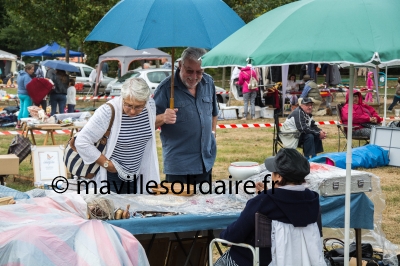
[131, 147]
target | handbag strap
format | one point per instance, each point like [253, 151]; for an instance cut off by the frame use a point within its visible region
[104, 139]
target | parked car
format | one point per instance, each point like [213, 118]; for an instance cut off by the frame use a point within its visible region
[222, 95]
[153, 77]
[83, 76]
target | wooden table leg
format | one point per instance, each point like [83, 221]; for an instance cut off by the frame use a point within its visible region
[358, 246]
[46, 137]
[52, 137]
[33, 137]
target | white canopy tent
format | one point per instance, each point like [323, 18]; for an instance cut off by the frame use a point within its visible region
[126, 55]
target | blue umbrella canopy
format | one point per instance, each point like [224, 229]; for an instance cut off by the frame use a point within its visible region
[144, 24]
[60, 65]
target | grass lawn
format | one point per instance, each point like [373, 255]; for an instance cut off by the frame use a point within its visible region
[247, 144]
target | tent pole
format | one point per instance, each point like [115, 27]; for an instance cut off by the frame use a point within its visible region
[385, 99]
[348, 169]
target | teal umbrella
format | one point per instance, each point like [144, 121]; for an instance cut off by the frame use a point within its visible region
[318, 31]
[331, 31]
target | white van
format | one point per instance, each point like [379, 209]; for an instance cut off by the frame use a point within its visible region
[83, 76]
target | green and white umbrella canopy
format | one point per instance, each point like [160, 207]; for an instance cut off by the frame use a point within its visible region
[316, 31]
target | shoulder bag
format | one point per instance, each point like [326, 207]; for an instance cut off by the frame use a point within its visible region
[73, 160]
[20, 146]
[253, 83]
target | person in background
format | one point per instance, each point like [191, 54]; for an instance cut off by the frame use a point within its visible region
[245, 75]
[396, 98]
[370, 87]
[59, 95]
[71, 96]
[39, 74]
[92, 77]
[292, 86]
[104, 68]
[311, 135]
[294, 211]
[188, 131]
[146, 65]
[119, 70]
[311, 90]
[165, 63]
[24, 77]
[50, 73]
[363, 115]
[131, 147]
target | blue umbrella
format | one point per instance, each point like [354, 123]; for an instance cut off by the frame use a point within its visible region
[142, 24]
[60, 65]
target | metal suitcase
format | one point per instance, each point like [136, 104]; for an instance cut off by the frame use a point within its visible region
[336, 186]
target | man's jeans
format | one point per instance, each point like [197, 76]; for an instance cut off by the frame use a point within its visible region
[312, 145]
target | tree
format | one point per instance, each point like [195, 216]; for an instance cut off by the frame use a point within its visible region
[46, 21]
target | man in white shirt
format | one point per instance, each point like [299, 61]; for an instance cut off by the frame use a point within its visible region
[92, 77]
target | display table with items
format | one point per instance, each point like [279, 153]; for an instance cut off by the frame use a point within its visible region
[40, 123]
[175, 230]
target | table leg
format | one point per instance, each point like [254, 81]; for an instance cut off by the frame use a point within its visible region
[52, 137]
[191, 248]
[33, 137]
[183, 249]
[46, 137]
[358, 246]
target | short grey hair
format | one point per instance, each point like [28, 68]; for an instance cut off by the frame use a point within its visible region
[135, 88]
[193, 53]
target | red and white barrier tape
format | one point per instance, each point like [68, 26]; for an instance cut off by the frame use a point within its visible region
[66, 131]
[91, 98]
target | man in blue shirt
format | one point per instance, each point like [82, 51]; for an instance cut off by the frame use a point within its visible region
[188, 130]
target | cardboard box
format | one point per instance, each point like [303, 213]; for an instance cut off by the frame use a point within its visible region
[9, 164]
[267, 112]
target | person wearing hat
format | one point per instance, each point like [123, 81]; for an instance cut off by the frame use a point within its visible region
[311, 90]
[310, 135]
[294, 211]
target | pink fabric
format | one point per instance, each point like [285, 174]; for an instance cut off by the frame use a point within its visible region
[244, 78]
[361, 112]
[50, 232]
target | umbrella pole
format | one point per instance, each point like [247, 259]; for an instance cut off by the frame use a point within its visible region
[385, 100]
[348, 169]
[171, 100]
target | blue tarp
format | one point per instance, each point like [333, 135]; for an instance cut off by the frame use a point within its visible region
[53, 50]
[368, 156]
[361, 211]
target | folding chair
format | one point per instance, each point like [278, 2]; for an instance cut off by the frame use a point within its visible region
[342, 129]
[277, 133]
[262, 239]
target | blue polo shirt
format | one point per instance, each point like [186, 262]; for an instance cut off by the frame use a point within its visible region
[189, 143]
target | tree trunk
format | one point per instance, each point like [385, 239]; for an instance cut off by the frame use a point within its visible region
[67, 44]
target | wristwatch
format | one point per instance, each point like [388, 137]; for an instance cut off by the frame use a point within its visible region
[105, 165]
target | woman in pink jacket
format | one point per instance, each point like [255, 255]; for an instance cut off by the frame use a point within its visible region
[364, 116]
[244, 79]
[370, 87]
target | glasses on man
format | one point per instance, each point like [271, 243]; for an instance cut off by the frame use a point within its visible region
[130, 107]
[191, 71]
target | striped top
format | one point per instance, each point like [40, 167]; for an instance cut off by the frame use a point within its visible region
[134, 134]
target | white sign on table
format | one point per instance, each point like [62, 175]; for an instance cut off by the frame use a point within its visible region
[48, 163]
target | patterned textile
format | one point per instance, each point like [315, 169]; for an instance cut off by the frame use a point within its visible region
[225, 260]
